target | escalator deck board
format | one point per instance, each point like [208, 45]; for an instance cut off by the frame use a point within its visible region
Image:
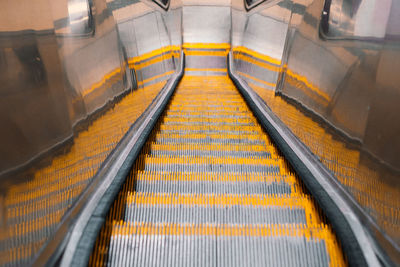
[210, 189]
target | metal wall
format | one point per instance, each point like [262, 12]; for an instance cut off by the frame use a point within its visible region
[330, 74]
[52, 75]
[206, 36]
[75, 75]
[67, 67]
[152, 40]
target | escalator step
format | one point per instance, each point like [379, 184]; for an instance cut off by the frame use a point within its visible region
[210, 189]
[148, 244]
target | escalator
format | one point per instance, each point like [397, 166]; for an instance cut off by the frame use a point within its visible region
[210, 189]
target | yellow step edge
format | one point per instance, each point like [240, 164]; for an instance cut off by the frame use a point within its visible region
[209, 147]
[33, 226]
[323, 232]
[21, 252]
[226, 100]
[244, 128]
[226, 200]
[32, 205]
[256, 61]
[218, 177]
[160, 160]
[152, 176]
[242, 49]
[154, 53]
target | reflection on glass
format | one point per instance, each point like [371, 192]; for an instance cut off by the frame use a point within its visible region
[80, 17]
[79, 20]
[356, 19]
[337, 95]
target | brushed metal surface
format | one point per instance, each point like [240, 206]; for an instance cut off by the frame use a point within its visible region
[206, 24]
[63, 64]
[65, 68]
[336, 92]
[325, 178]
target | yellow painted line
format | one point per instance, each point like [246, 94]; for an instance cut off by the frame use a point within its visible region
[118, 70]
[210, 147]
[254, 61]
[155, 77]
[205, 103]
[306, 90]
[161, 160]
[199, 199]
[136, 62]
[231, 100]
[206, 46]
[250, 136]
[206, 53]
[210, 120]
[321, 232]
[255, 54]
[67, 175]
[142, 65]
[224, 81]
[228, 200]
[31, 226]
[241, 108]
[256, 79]
[256, 128]
[31, 206]
[10, 256]
[206, 69]
[219, 177]
[154, 53]
[304, 80]
[141, 228]
[219, 113]
[101, 82]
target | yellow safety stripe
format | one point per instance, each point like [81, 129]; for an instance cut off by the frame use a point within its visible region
[242, 49]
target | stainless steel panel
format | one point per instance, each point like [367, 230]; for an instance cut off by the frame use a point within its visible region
[87, 72]
[336, 90]
[146, 37]
[63, 63]
[206, 24]
[33, 98]
[54, 80]
[266, 34]
[66, 103]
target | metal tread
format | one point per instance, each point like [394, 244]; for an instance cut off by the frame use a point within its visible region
[209, 188]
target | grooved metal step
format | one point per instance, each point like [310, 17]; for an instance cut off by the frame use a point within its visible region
[210, 189]
[205, 245]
